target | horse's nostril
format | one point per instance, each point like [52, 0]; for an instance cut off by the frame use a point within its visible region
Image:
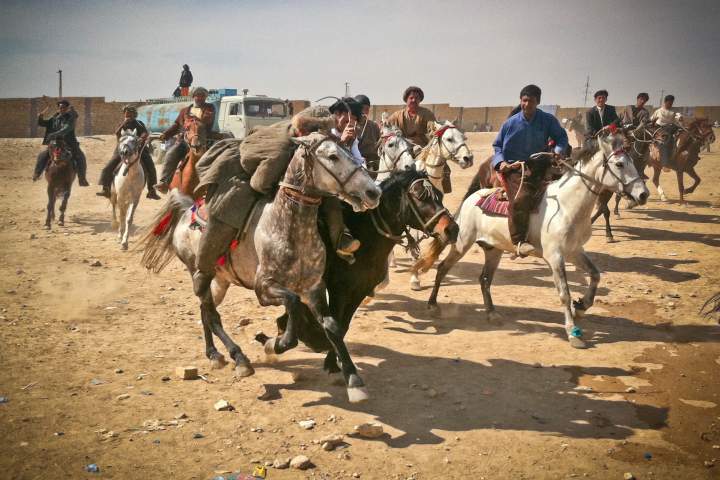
[372, 193]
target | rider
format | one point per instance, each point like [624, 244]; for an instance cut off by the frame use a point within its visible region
[203, 111]
[368, 134]
[130, 122]
[597, 119]
[416, 123]
[61, 126]
[520, 136]
[669, 122]
[635, 115]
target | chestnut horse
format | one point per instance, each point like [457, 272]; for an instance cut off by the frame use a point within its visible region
[186, 177]
[687, 154]
[60, 175]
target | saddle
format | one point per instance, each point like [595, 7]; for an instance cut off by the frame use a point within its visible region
[495, 201]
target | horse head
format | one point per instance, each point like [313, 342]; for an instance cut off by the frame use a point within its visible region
[194, 134]
[451, 142]
[59, 152]
[618, 173]
[325, 166]
[128, 145]
[395, 151]
[410, 199]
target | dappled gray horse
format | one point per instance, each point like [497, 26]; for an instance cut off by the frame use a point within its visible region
[281, 256]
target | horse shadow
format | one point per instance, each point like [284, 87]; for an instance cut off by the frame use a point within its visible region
[468, 396]
[101, 224]
[679, 216]
[599, 329]
[661, 268]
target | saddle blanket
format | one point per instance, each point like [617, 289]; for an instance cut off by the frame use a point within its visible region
[199, 216]
[493, 202]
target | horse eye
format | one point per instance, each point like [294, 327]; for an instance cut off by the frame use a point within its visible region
[620, 164]
[450, 139]
[391, 144]
[333, 157]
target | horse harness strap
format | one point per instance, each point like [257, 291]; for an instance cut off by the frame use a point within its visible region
[298, 196]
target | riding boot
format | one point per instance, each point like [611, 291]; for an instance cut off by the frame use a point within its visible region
[107, 174]
[41, 164]
[80, 165]
[214, 242]
[341, 240]
[150, 174]
[172, 159]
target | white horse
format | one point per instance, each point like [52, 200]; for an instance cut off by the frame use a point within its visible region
[127, 185]
[396, 153]
[447, 143]
[558, 230]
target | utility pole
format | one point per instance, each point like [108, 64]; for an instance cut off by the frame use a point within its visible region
[587, 89]
[59, 83]
[347, 89]
[662, 95]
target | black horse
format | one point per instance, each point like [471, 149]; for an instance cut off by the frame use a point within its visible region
[408, 200]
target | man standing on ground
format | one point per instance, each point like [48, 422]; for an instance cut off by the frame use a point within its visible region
[185, 82]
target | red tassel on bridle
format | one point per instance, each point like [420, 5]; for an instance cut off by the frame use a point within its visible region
[163, 226]
[440, 131]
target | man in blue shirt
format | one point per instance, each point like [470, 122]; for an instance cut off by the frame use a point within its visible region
[521, 135]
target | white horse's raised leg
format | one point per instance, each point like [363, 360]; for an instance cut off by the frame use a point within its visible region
[661, 192]
[557, 265]
[583, 262]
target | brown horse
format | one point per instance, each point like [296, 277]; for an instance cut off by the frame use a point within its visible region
[687, 154]
[60, 175]
[186, 177]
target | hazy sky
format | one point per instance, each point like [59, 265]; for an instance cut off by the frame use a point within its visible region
[471, 53]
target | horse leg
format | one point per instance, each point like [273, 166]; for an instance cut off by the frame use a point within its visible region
[557, 265]
[582, 261]
[50, 207]
[273, 294]
[616, 210]
[211, 320]
[608, 231]
[492, 260]
[681, 183]
[453, 256]
[128, 223]
[656, 182]
[696, 179]
[63, 207]
[335, 333]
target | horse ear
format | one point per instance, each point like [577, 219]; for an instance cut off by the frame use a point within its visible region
[134, 132]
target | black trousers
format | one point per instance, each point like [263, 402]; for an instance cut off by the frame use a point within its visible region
[214, 242]
[667, 148]
[172, 159]
[78, 157]
[523, 198]
[108, 172]
[331, 212]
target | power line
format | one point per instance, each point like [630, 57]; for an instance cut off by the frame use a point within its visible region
[587, 90]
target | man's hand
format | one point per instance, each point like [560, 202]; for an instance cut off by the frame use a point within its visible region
[507, 167]
[162, 137]
[348, 135]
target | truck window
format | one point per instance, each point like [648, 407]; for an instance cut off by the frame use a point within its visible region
[234, 109]
[260, 108]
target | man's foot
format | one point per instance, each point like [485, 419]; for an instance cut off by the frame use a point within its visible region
[524, 249]
[83, 182]
[162, 187]
[348, 257]
[105, 192]
[152, 194]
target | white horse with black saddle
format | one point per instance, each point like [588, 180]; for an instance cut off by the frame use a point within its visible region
[127, 185]
[558, 230]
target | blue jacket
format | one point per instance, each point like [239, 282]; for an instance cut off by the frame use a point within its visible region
[519, 138]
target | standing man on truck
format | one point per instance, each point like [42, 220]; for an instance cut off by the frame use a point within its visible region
[186, 80]
[203, 111]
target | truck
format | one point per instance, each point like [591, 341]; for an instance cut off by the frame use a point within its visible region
[235, 115]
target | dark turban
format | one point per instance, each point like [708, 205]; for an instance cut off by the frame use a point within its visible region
[412, 89]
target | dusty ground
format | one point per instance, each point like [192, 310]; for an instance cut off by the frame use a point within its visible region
[508, 401]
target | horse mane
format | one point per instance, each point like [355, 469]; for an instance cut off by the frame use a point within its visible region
[395, 183]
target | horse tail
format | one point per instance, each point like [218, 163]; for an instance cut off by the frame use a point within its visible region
[157, 242]
[428, 256]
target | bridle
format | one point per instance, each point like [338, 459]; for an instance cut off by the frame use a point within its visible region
[394, 161]
[382, 226]
[452, 154]
[189, 138]
[308, 193]
[59, 153]
[125, 160]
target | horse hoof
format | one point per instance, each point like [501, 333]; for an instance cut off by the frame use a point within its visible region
[123, 246]
[244, 370]
[47, 227]
[218, 362]
[61, 223]
[576, 342]
[494, 317]
[269, 347]
[366, 301]
[610, 240]
[415, 285]
[357, 394]
[434, 309]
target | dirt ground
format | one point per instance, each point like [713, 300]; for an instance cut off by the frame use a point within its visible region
[459, 398]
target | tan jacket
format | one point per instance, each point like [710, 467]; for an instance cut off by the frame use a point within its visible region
[368, 135]
[415, 129]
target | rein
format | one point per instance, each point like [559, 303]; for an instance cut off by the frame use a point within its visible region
[383, 155]
[438, 137]
[606, 169]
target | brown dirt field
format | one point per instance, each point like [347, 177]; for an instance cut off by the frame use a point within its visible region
[507, 405]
